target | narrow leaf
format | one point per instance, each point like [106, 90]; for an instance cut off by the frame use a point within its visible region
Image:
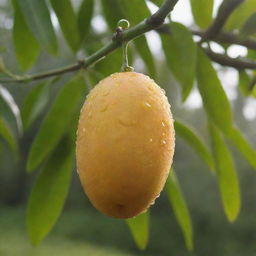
[34, 103]
[143, 49]
[24, 40]
[202, 12]
[139, 227]
[195, 142]
[226, 175]
[214, 97]
[240, 15]
[68, 22]
[244, 83]
[56, 122]
[84, 17]
[38, 18]
[49, 193]
[249, 27]
[243, 146]
[180, 208]
[9, 108]
[180, 52]
[7, 136]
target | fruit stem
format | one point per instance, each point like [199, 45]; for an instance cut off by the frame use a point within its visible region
[125, 65]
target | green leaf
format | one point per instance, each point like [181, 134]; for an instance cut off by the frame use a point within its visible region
[68, 22]
[241, 14]
[195, 142]
[214, 97]
[244, 83]
[7, 136]
[38, 18]
[139, 227]
[26, 46]
[112, 12]
[157, 2]
[249, 27]
[34, 103]
[85, 15]
[49, 193]
[202, 12]
[226, 175]
[143, 49]
[180, 52]
[243, 146]
[9, 109]
[56, 122]
[180, 208]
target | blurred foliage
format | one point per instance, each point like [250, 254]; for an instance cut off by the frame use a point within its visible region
[38, 122]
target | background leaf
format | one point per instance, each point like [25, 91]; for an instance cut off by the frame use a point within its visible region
[57, 121]
[241, 14]
[84, 17]
[49, 193]
[249, 27]
[243, 146]
[195, 142]
[68, 22]
[139, 227]
[202, 12]
[34, 103]
[244, 83]
[24, 40]
[9, 109]
[7, 136]
[213, 95]
[177, 47]
[226, 175]
[180, 208]
[37, 16]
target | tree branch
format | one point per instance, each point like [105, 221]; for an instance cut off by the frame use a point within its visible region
[229, 38]
[225, 10]
[224, 60]
[150, 23]
[221, 37]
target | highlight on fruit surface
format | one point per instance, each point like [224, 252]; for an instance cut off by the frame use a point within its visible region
[125, 144]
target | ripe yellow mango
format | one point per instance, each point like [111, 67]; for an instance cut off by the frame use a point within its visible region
[125, 144]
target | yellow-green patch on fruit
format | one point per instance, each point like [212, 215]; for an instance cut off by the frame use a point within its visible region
[125, 144]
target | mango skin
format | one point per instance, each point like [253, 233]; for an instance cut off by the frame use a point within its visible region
[125, 144]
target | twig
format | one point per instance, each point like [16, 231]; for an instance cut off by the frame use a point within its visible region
[225, 10]
[229, 38]
[224, 60]
[221, 37]
[150, 23]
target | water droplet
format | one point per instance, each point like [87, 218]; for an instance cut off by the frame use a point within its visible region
[152, 203]
[126, 122]
[107, 92]
[83, 129]
[104, 108]
[146, 105]
[163, 133]
[150, 88]
[163, 142]
[163, 123]
[150, 140]
[163, 91]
